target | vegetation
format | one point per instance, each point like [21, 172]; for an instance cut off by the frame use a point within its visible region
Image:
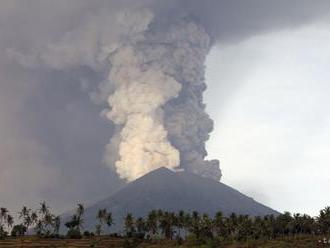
[180, 228]
[75, 224]
[104, 218]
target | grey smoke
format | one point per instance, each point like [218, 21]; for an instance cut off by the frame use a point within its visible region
[154, 88]
[62, 47]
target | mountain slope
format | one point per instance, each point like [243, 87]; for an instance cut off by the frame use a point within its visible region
[174, 191]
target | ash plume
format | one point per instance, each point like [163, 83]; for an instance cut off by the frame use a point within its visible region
[157, 98]
[153, 86]
[149, 60]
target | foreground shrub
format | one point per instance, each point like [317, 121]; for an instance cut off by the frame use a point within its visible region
[18, 230]
[73, 234]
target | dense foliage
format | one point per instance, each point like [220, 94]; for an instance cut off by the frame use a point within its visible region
[158, 224]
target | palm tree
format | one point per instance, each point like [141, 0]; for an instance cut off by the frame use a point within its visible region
[297, 224]
[108, 220]
[3, 219]
[74, 226]
[244, 230]
[159, 213]
[167, 221]
[27, 221]
[101, 216]
[39, 227]
[79, 213]
[44, 209]
[219, 224]
[129, 225]
[261, 228]
[151, 223]
[284, 223]
[269, 226]
[232, 223]
[180, 221]
[308, 224]
[57, 225]
[141, 226]
[195, 224]
[48, 222]
[206, 229]
[324, 220]
[187, 222]
[34, 219]
[24, 214]
[10, 221]
[80, 210]
[3, 215]
[43, 221]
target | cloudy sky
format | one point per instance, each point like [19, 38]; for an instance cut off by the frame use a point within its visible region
[268, 85]
[272, 116]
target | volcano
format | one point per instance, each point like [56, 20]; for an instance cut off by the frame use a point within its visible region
[174, 191]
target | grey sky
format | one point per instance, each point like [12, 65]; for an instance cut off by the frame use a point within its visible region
[272, 124]
[52, 137]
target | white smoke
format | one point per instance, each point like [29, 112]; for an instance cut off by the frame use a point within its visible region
[153, 86]
[140, 92]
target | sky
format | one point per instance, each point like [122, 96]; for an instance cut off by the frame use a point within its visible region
[267, 78]
[272, 116]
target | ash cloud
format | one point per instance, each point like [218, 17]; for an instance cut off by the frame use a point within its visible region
[66, 55]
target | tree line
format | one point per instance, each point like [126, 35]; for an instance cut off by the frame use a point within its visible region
[159, 224]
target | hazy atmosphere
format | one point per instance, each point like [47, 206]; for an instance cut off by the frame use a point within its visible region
[272, 131]
[94, 94]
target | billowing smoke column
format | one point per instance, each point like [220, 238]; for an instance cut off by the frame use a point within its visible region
[140, 92]
[149, 55]
[157, 101]
[153, 86]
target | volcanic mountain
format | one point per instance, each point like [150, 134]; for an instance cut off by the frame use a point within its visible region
[174, 191]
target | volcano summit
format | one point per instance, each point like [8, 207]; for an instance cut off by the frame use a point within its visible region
[174, 191]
